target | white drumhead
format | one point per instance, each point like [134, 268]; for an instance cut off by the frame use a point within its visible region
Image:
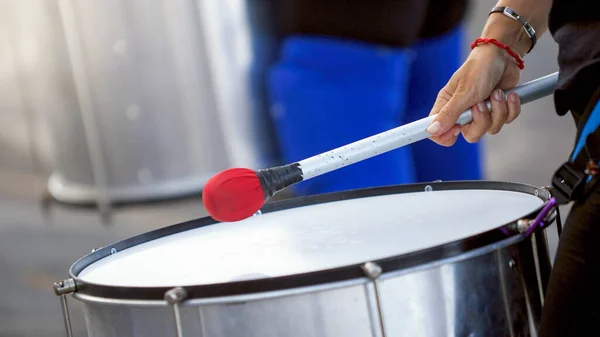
[311, 238]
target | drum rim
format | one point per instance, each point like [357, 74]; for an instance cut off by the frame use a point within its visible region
[314, 278]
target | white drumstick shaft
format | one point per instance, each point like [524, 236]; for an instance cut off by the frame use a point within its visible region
[407, 134]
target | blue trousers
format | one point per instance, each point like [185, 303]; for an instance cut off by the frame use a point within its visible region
[327, 92]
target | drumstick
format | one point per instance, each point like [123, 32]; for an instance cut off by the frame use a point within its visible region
[238, 193]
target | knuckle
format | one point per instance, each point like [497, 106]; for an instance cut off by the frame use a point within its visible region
[500, 109]
[515, 103]
[472, 137]
[482, 122]
[473, 91]
[489, 118]
[442, 141]
[448, 142]
[486, 123]
[518, 111]
[512, 115]
[436, 140]
[444, 94]
[468, 89]
[446, 112]
[494, 130]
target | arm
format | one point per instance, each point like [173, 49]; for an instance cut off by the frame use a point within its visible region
[510, 32]
[486, 72]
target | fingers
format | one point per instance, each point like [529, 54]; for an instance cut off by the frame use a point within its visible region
[499, 111]
[482, 121]
[503, 112]
[449, 137]
[463, 91]
[447, 114]
[514, 107]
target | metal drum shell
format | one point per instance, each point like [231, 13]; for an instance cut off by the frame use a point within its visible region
[161, 96]
[493, 288]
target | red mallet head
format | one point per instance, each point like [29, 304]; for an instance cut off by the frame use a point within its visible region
[233, 195]
[238, 193]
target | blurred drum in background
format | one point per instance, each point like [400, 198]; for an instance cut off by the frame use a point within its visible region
[169, 93]
[445, 259]
[139, 100]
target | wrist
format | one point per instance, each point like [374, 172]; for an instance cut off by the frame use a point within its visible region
[507, 31]
[495, 51]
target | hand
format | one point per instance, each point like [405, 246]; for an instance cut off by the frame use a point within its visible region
[487, 71]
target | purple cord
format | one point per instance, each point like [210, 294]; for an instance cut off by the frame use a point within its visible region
[539, 219]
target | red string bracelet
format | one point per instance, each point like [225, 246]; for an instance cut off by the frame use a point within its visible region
[517, 58]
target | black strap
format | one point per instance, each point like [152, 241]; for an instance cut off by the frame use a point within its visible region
[513, 15]
[576, 177]
[568, 183]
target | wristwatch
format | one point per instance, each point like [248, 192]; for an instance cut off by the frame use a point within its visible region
[507, 11]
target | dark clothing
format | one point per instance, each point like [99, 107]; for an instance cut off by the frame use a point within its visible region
[575, 26]
[570, 11]
[579, 63]
[397, 23]
[572, 304]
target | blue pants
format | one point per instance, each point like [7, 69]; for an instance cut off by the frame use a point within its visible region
[326, 93]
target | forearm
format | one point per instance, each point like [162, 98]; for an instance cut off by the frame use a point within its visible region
[510, 32]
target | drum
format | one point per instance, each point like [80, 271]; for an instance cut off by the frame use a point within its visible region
[437, 259]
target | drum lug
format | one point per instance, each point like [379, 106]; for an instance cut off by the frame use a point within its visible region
[528, 226]
[62, 289]
[174, 297]
[65, 287]
[373, 271]
[523, 225]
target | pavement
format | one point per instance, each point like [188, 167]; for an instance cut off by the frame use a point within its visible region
[38, 245]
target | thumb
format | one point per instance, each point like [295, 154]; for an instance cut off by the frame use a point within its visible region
[460, 101]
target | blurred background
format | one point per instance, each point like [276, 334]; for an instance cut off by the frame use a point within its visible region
[114, 113]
